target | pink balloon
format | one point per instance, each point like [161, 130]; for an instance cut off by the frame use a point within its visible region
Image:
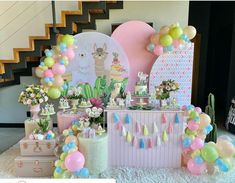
[176, 43]
[48, 73]
[192, 125]
[58, 69]
[194, 168]
[70, 53]
[158, 50]
[74, 161]
[59, 81]
[197, 144]
[198, 109]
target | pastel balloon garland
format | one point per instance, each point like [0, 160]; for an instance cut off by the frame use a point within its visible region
[53, 65]
[170, 38]
[71, 161]
[203, 157]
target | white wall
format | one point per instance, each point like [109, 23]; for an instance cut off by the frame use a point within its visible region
[160, 13]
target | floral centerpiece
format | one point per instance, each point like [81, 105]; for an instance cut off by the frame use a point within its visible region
[33, 96]
[164, 89]
[75, 95]
[95, 115]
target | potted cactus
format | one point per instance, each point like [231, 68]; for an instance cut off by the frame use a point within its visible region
[210, 110]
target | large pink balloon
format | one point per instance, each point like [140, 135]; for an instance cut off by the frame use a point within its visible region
[48, 73]
[194, 168]
[70, 53]
[192, 125]
[74, 161]
[58, 69]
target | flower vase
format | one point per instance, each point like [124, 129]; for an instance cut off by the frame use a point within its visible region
[34, 110]
[163, 103]
[74, 103]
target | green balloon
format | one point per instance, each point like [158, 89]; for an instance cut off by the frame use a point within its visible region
[57, 175]
[54, 93]
[166, 40]
[66, 174]
[49, 61]
[190, 133]
[209, 153]
[63, 156]
[176, 32]
[193, 114]
[68, 39]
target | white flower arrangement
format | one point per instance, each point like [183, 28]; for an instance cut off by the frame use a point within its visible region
[164, 89]
[33, 95]
[74, 93]
[94, 112]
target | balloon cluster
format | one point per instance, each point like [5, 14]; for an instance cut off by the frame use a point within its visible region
[170, 38]
[204, 157]
[53, 65]
[71, 161]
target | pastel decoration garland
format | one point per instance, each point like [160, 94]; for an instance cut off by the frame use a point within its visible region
[155, 128]
[138, 128]
[142, 145]
[170, 128]
[123, 131]
[150, 143]
[116, 118]
[119, 126]
[158, 141]
[128, 119]
[134, 141]
[128, 137]
[146, 132]
[164, 118]
[164, 136]
[177, 120]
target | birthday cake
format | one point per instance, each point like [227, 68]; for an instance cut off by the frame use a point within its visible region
[141, 88]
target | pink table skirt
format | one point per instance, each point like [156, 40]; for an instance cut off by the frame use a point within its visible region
[65, 120]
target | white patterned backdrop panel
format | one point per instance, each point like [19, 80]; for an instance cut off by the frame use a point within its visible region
[178, 66]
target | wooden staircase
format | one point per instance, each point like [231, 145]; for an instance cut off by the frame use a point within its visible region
[72, 22]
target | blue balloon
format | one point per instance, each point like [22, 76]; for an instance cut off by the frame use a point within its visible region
[209, 127]
[151, 47]
[77, 173]
[190, 107]
[65, 148]
[62, 62]
[62, 46]
[187, 142]
[52, 79]
[197, 119]
[84, 172]
[184, 37]
[71, 145]
[42, 63]
[198, 160]
[49, 53]
[58, 169]
[222, 166]
[47, 79]
[170, 48]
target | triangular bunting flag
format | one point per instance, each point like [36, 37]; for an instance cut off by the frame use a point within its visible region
[116, 118]
[123, 131]
[150, 143]
[146, 132]
[128, 137]
[138, 129]
[119, 126]
[164, 118]
[155, 128]
[128, 119]
[177, 120]
[170, 128]
[141, 143]
[164, 136]
[134, 141]
[158, 141]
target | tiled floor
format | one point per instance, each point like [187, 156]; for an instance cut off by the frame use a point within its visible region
[9, 137]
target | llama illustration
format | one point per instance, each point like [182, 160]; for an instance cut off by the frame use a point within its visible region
[100, 55]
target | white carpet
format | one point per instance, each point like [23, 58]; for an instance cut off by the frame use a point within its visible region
[129, 175]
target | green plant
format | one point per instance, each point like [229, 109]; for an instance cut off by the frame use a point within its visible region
[210, 110]
[43, 125]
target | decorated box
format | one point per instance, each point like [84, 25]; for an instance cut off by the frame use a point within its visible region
[64, 119]
[42, 166]
[30, 125]
[37, 147]
[138, 138]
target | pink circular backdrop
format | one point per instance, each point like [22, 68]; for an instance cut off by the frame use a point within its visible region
[134, 36]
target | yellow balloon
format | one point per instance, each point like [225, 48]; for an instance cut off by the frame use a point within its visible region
[165, 40]
[225, 148]
[205, 120]
[190, 31]
[164, 29]
[39, 72]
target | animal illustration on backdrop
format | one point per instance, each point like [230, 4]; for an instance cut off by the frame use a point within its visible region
[100, 55]
[81, 67]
